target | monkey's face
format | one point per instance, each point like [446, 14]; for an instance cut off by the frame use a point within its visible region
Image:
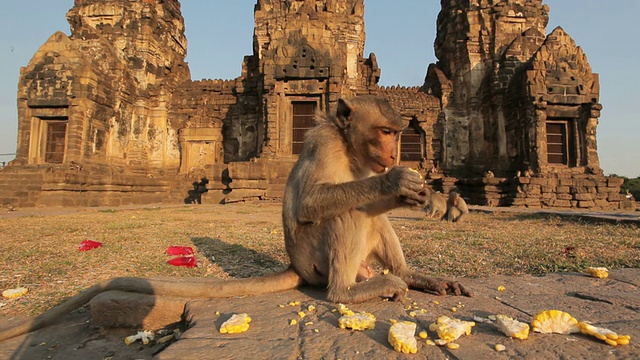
[382, 145]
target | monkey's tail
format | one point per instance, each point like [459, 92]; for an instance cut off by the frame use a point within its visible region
[178, 287]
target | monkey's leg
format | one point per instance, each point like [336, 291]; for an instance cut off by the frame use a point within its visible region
[348, 250]
[390, 254]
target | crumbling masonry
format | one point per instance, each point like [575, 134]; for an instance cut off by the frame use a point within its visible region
[110, 115]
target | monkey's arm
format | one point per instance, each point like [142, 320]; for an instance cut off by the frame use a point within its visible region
[326, 201]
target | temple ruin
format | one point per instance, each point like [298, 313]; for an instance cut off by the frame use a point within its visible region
[110, 116]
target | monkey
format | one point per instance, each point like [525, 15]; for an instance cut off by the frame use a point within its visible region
[336, 199]
[456, 207]
[437, 207]
[334, 219]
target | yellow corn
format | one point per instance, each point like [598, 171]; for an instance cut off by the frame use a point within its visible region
[359, 321]
[293, 322]
[452, 346]
[500, 347]
[599, 272]
[603, 334]
[401, 337]
[236, 324]
[511, 327]
[430, 342]
[554, 321]
[14, 293]
[501, 288]
[450, 329]
[344, 310]
[423, 335]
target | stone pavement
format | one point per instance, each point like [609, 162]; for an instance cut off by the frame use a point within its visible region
[613, 303]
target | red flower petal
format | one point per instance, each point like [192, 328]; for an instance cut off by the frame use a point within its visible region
[87, 245]
[186, 261]
[179, 250]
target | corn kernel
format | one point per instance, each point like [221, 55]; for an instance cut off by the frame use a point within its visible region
[501, 288]
[436, 302]
[281, 306]
[412, 313]
[430, 342]
[511, 327]
[301, 314]
[401, 337]
[452, 346]
[554, 321]
[311, 308]
[359, 321]
[308, 323]
[454, 309]
[393, 321]
[500, 347]
[385, 271]
[316, 330]
[293, 322]
[344, 310]
[236, 324]
[423, 335]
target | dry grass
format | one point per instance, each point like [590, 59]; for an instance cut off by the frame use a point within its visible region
[41, 253]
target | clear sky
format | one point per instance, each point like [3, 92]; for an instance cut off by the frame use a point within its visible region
[399, 32]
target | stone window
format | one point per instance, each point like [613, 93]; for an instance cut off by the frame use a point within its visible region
[55, 142]
[303, 114]
[557, 142]
[411, 144]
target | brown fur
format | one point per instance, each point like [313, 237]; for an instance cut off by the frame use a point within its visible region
[334, 221]
[456, 207]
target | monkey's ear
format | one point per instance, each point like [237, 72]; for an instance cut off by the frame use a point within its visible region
[343, 113]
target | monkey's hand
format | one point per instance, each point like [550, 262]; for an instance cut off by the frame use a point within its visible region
[406, 184]
[437, 285]
[418, 199]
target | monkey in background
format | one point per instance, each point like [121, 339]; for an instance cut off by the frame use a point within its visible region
[456, 207]
[334, 218]
[437, 206]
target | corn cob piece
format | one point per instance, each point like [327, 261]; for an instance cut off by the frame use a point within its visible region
[359, 321]
[402, 337]
[143, 336]
[555, 321]
[14, 293]
[511, 327]
[603, 334]
[599, 272]
[450, 329]
[236, 324]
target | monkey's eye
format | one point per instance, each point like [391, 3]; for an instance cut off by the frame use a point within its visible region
[387, 131]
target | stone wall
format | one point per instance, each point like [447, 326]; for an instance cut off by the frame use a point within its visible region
[110, 116]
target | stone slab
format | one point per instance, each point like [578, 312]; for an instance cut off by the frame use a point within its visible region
[613, 303]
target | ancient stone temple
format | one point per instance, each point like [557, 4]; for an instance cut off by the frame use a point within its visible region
[110, 115]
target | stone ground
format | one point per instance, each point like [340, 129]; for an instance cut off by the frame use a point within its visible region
[613, 303]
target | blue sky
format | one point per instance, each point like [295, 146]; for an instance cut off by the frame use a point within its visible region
[399, 32]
